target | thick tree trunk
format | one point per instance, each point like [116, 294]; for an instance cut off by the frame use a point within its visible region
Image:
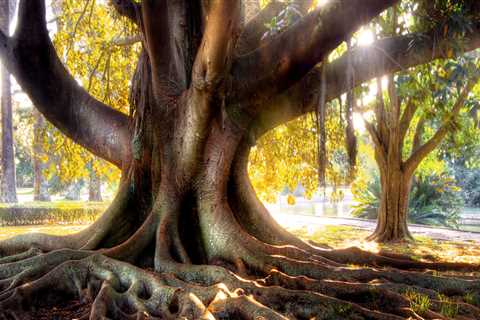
[393, 207]
[8, 183]
[40, 184]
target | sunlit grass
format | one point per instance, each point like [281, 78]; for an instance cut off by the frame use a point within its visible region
[334, 236]
[67, 204]
[419, 303]
[448, 308]
[422, 248]
[10, 231]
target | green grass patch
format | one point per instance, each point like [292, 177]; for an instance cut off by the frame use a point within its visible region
[423, 248]
[448, 307]
[419, 303]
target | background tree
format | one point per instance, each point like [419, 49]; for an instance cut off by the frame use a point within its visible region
[8, 182]
[40, 158]
[185, 206]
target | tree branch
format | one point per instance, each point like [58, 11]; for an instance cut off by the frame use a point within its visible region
[381, 112]
[252, 33]
[277, 65]
[215, 54]
[418, 136]
[31, 58]
[407, 116]
[377, 141]
[418, 155]
[127, 8]
[382, 57]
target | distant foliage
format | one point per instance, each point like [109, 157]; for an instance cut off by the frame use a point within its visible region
[469, 181]
[434, 200]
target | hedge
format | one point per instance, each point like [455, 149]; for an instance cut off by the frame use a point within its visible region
[37, 213]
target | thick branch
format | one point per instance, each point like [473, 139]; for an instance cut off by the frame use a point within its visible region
[127, 8]
[171, 32]
[219, 39]
[382, 57]
[274, 67]
[412, 163]
[31, 58]
[253, 32]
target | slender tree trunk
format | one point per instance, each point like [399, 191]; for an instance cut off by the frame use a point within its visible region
[40, 184]
[393, 206]
[8, 184]
[94, 186]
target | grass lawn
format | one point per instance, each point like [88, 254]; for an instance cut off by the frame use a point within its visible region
[334, 236]
[10, 231]
[62, 204]
[429, 249]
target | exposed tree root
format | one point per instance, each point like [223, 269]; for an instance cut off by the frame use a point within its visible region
[245, 278]
[118, 290]
[112, 228]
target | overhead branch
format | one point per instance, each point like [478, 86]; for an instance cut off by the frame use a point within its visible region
[283, 61]
[127, 8]
[421, 152]
[56, 94]
[384, 56]
[214, 57]
[253, 33]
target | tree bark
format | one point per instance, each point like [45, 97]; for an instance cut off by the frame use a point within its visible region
[8, 181]
[393, 206]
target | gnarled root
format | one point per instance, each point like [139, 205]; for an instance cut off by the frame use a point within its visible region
[271, 286]
[112, 228]
[246, 278]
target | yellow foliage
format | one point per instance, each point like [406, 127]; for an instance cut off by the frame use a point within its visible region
[84, 39]
[288, 155]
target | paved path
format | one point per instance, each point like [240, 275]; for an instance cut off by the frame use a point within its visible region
[299, 221]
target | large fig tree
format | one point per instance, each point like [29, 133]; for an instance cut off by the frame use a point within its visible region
[186, 236]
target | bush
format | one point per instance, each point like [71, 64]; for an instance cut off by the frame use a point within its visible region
[50, 213]
[434, 200]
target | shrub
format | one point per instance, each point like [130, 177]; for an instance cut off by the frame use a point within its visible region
[50, 213]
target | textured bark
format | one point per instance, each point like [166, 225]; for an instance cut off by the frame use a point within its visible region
[186, 236]
[8, 181]
[393, 206]
[40, 183]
